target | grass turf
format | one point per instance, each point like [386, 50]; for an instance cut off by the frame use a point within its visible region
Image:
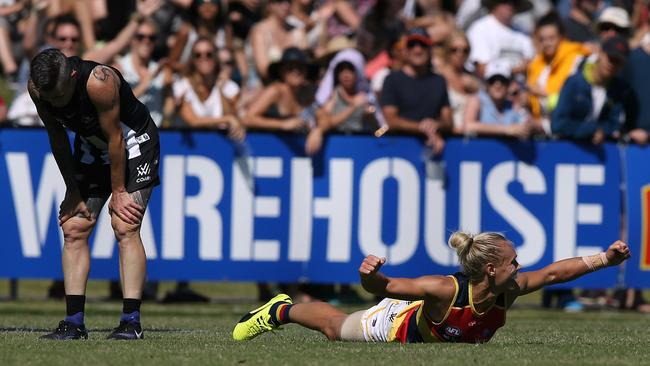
[201, 334]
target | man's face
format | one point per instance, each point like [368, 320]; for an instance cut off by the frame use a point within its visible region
[417, 53]
[62, 93]
[589, 7]
[67, 38]
[549, 40]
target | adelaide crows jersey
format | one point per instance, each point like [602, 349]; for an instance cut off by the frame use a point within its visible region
[461, 323]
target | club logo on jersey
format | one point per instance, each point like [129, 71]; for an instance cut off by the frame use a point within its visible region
[143, 173]
[143, 169]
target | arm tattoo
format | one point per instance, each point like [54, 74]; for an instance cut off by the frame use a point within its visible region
[101, 73]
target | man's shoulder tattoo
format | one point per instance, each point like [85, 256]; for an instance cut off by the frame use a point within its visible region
[102, 73]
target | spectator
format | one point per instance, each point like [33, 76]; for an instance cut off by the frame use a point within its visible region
[556, 60]
[9, 14]
[305, 15]
[637, 74]
[242, 16]
[580, 23]
[492, 37]
[406, 107]
[345, 15]
[144, 74]
[207, 19]
[284, 104]
[431, 16]
[595, 102]
[270, 37]
[460, 83]
[613, 21]
[204, 100]
[348, 105]
[491, 112]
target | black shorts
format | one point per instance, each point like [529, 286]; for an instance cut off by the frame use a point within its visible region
[94, 180]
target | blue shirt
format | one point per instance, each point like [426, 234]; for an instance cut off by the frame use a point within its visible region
[490, 114]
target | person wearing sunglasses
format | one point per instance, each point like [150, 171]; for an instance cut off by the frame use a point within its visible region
[492, 112]
[613, 21]
[143, 73]
[460, 82]
[414, 99]
[204, 100]
[556, 60]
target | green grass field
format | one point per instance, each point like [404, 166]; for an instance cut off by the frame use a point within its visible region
[201, 334]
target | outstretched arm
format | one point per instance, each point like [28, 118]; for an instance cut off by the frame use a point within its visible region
[569, 269]
[409, 289]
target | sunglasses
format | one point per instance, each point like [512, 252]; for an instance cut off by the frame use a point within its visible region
[414, 42]
[278, 1]
[142, 37]
[207, 54]
[498, 79]
[606, 27]
[71, 39]
[464, 50]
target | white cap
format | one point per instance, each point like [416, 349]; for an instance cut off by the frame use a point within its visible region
[615, 15]
[498, 67]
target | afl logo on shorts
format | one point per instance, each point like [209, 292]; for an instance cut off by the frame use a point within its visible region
[143, 173]
[452, 331]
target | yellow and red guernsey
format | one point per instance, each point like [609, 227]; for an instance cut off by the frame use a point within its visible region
[462, 323]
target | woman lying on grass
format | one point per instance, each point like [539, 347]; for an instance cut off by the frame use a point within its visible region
[468, 306]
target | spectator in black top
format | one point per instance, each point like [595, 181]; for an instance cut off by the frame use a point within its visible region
[414, 99]
[579, 24]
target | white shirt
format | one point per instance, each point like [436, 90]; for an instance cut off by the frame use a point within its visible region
[211, 107]
[491, 40]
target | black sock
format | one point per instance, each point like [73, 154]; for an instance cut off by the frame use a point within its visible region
[74, 304]
[74, 308]
[131, 305]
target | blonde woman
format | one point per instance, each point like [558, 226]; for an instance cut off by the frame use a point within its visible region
[468, 306]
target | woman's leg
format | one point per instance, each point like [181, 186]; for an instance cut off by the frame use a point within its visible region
[319, 316]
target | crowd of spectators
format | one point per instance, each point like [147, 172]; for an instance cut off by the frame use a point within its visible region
[572, 69]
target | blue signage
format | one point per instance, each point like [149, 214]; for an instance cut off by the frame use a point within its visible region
[263, 211]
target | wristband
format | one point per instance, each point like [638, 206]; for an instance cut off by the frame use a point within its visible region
[596, 261]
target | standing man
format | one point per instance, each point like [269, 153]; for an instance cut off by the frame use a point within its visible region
[116, 153]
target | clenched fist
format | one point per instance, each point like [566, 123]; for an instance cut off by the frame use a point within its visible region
[617, 253]
[370, 265]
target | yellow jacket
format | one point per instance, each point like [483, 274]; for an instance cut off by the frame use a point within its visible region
[562, 66]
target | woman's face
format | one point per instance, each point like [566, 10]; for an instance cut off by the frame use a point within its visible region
[458, 52]
[293, 74]
[144, 41]
[506, 271]
[347, 78]
[204, 58]
[279, 8]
